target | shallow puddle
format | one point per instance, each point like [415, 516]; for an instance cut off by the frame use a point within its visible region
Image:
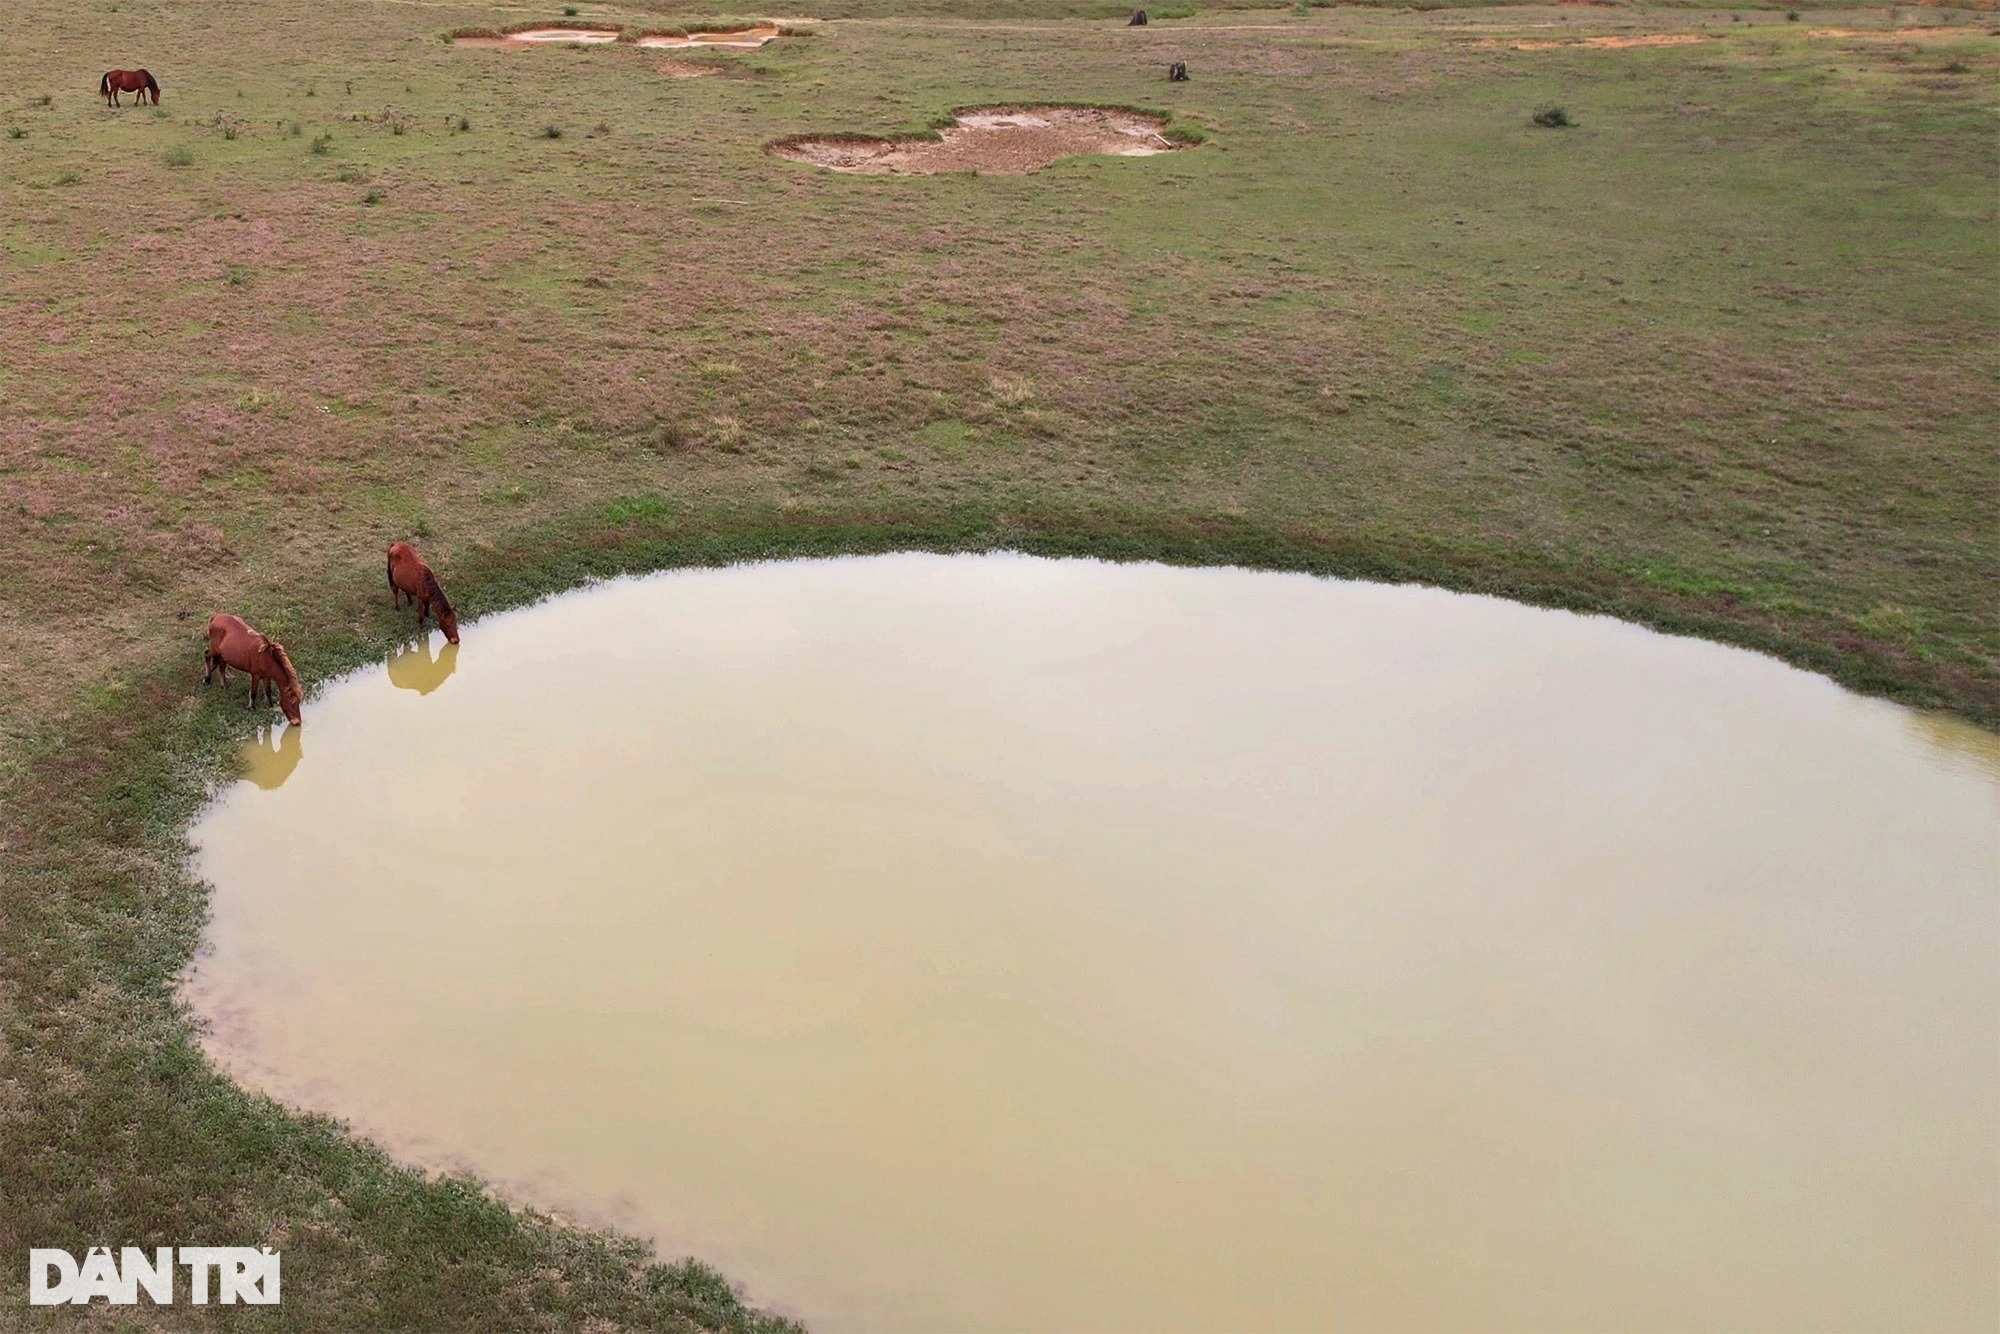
[990, 943]
[589, 36]
[746, 39]
[1006, 141]
[743, 39]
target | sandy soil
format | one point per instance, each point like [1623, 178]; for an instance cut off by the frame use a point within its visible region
[1007, 141]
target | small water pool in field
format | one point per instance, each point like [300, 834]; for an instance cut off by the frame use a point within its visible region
[994, 943]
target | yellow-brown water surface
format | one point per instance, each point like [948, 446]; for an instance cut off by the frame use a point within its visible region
[992, 943]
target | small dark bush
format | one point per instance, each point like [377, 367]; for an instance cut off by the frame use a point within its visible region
[569, 11]
[322, 144]
[1552, 117]
[551, 131]
[47, 99]
[463, 125]
[16, 132]
[1791, 16]
[180, 155]
[372, 197]
[1954, 67]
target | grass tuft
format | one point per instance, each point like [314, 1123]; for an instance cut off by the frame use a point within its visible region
[180, 155]
[1552, 117]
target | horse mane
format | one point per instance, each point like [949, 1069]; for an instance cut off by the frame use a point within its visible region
[150, 83]
[278, 656]
[435, 591]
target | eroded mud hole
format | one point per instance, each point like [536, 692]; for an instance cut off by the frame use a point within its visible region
[744, 39]
[1006, 141]
[748, 39]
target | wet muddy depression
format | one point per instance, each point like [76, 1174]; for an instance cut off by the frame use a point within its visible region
[994, 943]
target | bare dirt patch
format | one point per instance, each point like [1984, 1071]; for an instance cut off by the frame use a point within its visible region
[1003, 141]
[1607, 43]
[681, 69]
[746, 39]
[1888, 32]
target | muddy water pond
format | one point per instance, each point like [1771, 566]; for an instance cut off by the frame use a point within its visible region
[993, 943]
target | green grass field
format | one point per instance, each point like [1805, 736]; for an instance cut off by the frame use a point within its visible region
[1719, 357]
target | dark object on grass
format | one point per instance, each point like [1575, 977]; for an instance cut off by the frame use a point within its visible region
[1553, 118]
[1177, 72]
[1138, 19]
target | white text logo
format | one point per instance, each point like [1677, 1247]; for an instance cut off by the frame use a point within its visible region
[241, 1274]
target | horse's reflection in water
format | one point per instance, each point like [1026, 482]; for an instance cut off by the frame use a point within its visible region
[269, 759]
[413, 668]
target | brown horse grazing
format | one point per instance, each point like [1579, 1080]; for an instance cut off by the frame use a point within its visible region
[134, 81]
[232, 643]
[410, 577]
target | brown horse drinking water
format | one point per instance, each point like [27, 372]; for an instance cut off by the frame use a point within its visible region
[134, 81]
[232, 643]
[410, 577]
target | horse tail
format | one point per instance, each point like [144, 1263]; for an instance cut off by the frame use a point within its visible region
[104, 85]
[390, 566]
[434, 592]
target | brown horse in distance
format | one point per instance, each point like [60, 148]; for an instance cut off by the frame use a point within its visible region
[410, 577]
[232, 643]
[134, 81]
